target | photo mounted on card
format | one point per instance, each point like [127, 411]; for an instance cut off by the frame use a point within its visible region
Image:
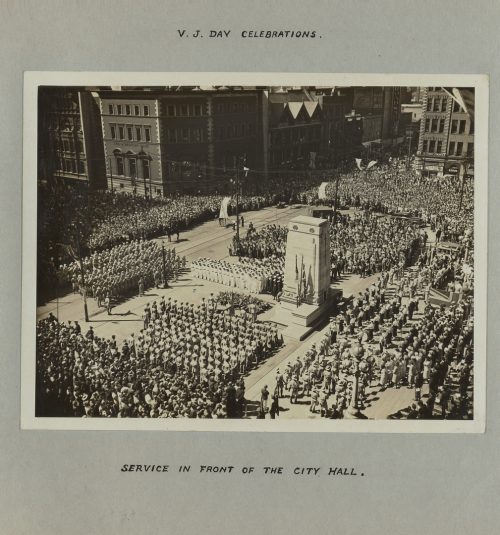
[254, 252]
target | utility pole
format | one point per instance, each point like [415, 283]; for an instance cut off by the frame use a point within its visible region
[84, 290]
[336, 198]
[465, 170]
[165, 281]
[410, 137]
[237, 184]
[144, 181]
[111, 176]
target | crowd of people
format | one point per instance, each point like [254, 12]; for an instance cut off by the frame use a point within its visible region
[366, 244]
[389, 337]
[267, 241]
[248, 274]
[187, 361]
[126, 268]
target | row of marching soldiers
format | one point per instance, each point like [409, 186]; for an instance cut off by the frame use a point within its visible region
[437, 350]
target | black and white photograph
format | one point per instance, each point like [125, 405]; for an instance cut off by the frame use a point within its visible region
[298, 253]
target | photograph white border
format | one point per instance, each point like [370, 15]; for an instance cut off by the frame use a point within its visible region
[33, 79]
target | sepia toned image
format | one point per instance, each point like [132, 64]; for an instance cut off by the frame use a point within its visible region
[255, 252]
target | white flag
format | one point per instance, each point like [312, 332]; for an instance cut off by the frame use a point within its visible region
[223, 208]
[246, 169]
[322, 190]
[358, 163]
[371, 164]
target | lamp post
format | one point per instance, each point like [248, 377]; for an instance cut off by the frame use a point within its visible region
[56, 284]
[82, 271]
[335, 200]
[165, 281]
[111, 176]
[353, 412]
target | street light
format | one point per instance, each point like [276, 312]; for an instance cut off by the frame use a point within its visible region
[165, 281]
[82, 271]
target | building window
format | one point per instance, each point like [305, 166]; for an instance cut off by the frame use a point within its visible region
[429, 104]
[434, 125]
[460, 147]
[127, 109]
[197, 135]
[426, 145]
[130, 133]
[184, 109]
[171, 110]
[470, 150]
[145, 168]
[146, 110]
[197, 109]
[113, 132]
[439, 147]
[443, 104]
[132, 166]
[80, 146]
[119, 109]
[110, 109]
[138, 133]
[432, 146]
[137, 110]
[184, 135]
[441, 126]
[454, 126]
[81, 167]
[147, 133]
[451, 148]
[463, 123]
[120, 132]
[119, 165]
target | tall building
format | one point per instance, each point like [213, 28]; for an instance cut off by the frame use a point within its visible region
[342, 130]
[294, 122]
[446, 142]
[69, 136]
[178, 139]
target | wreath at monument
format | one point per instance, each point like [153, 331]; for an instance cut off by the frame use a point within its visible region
[243, 301]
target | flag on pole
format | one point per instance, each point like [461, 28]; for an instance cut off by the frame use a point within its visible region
[223, 208]
[464, 97]
[371, 164]
[358, 163]
[322, 190]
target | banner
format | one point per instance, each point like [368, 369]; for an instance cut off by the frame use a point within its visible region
[223, 208]
[358, 163]
[371, 164]
[322, 190]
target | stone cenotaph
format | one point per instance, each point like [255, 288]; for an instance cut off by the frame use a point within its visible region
[306, 285]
